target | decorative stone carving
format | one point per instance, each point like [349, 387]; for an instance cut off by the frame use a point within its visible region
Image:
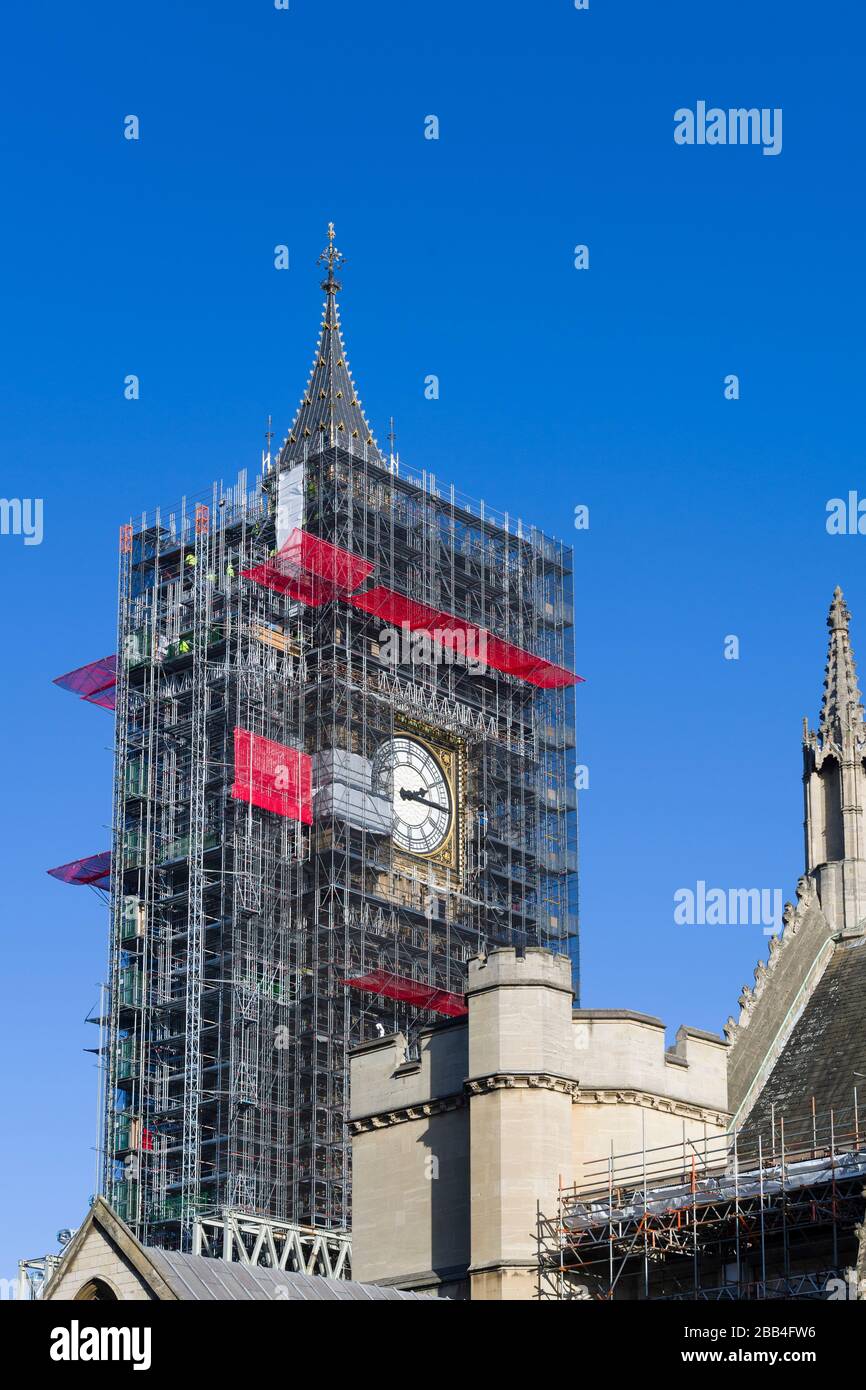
[545, 1081]
[406, 1114]
[792, 918]
[649, 1101]
[806, 892]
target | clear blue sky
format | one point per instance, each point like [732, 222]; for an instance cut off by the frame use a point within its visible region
[558, 387]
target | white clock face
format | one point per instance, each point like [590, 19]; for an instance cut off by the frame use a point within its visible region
[409, 775]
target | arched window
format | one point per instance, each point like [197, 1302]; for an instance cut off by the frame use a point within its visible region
[96, 1291]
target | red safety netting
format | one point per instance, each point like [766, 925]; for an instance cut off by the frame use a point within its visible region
[323, 560]
[304, 588]
[273, 776]
[312, 570]
[95, 869]
[94, 682]
[440, 1001]
[106, 699]
[457, 634]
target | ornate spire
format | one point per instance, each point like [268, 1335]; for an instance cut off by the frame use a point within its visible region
[841, 708]
[834, 784]
[330, 411]
[330, 257]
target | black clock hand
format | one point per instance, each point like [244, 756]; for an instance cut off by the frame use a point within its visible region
[422, 800]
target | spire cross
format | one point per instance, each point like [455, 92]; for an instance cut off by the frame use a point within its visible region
[331, 257]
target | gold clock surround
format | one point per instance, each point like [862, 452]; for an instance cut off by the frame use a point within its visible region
[450, 753]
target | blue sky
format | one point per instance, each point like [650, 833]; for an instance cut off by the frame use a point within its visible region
[558, 387]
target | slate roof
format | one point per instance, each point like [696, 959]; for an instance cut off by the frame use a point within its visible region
[200, 1279]
[826, 1047]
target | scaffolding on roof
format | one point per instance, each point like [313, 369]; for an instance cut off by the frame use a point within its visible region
[743, 1215]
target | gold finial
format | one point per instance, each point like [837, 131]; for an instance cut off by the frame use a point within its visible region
[331, 257]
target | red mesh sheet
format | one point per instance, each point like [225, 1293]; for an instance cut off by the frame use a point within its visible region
[273, 776]
[106, 699]
[445, 628]
[94, 678]
[304, 588]
[441, 1001]
[95, 869]
[311, 570]
[323, 560]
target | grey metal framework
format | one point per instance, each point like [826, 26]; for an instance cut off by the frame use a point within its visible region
[744, 1215]
[234, 929]
[261, 1241]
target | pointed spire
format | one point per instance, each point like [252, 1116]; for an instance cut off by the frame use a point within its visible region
[841, 708]
[330, 412]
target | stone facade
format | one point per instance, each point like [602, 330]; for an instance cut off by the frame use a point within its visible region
[635, 1093]
[455, 1149]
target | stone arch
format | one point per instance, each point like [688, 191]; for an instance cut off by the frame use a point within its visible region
[96, 1291]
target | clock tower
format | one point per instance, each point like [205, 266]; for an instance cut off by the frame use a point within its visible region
[344, 766]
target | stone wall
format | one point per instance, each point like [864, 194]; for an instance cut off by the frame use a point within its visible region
[454, 1151]
[410, 1159]
[634, 1093]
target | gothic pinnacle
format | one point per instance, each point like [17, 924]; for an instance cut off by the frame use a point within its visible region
[841, 707]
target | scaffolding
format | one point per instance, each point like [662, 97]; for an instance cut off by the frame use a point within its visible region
[261, 1241]
[258, 930]
[741, 1215]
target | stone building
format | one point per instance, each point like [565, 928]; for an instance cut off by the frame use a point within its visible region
[527, 1149]
[106, 1263]
[455, 1148]
[462, 1143]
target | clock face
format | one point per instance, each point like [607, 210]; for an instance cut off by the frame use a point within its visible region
[408, 774]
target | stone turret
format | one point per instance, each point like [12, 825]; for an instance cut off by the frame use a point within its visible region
[834, 778]
[521, 1085]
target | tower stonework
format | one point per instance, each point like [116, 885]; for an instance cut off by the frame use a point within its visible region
[834, 777]
[521, 1084]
